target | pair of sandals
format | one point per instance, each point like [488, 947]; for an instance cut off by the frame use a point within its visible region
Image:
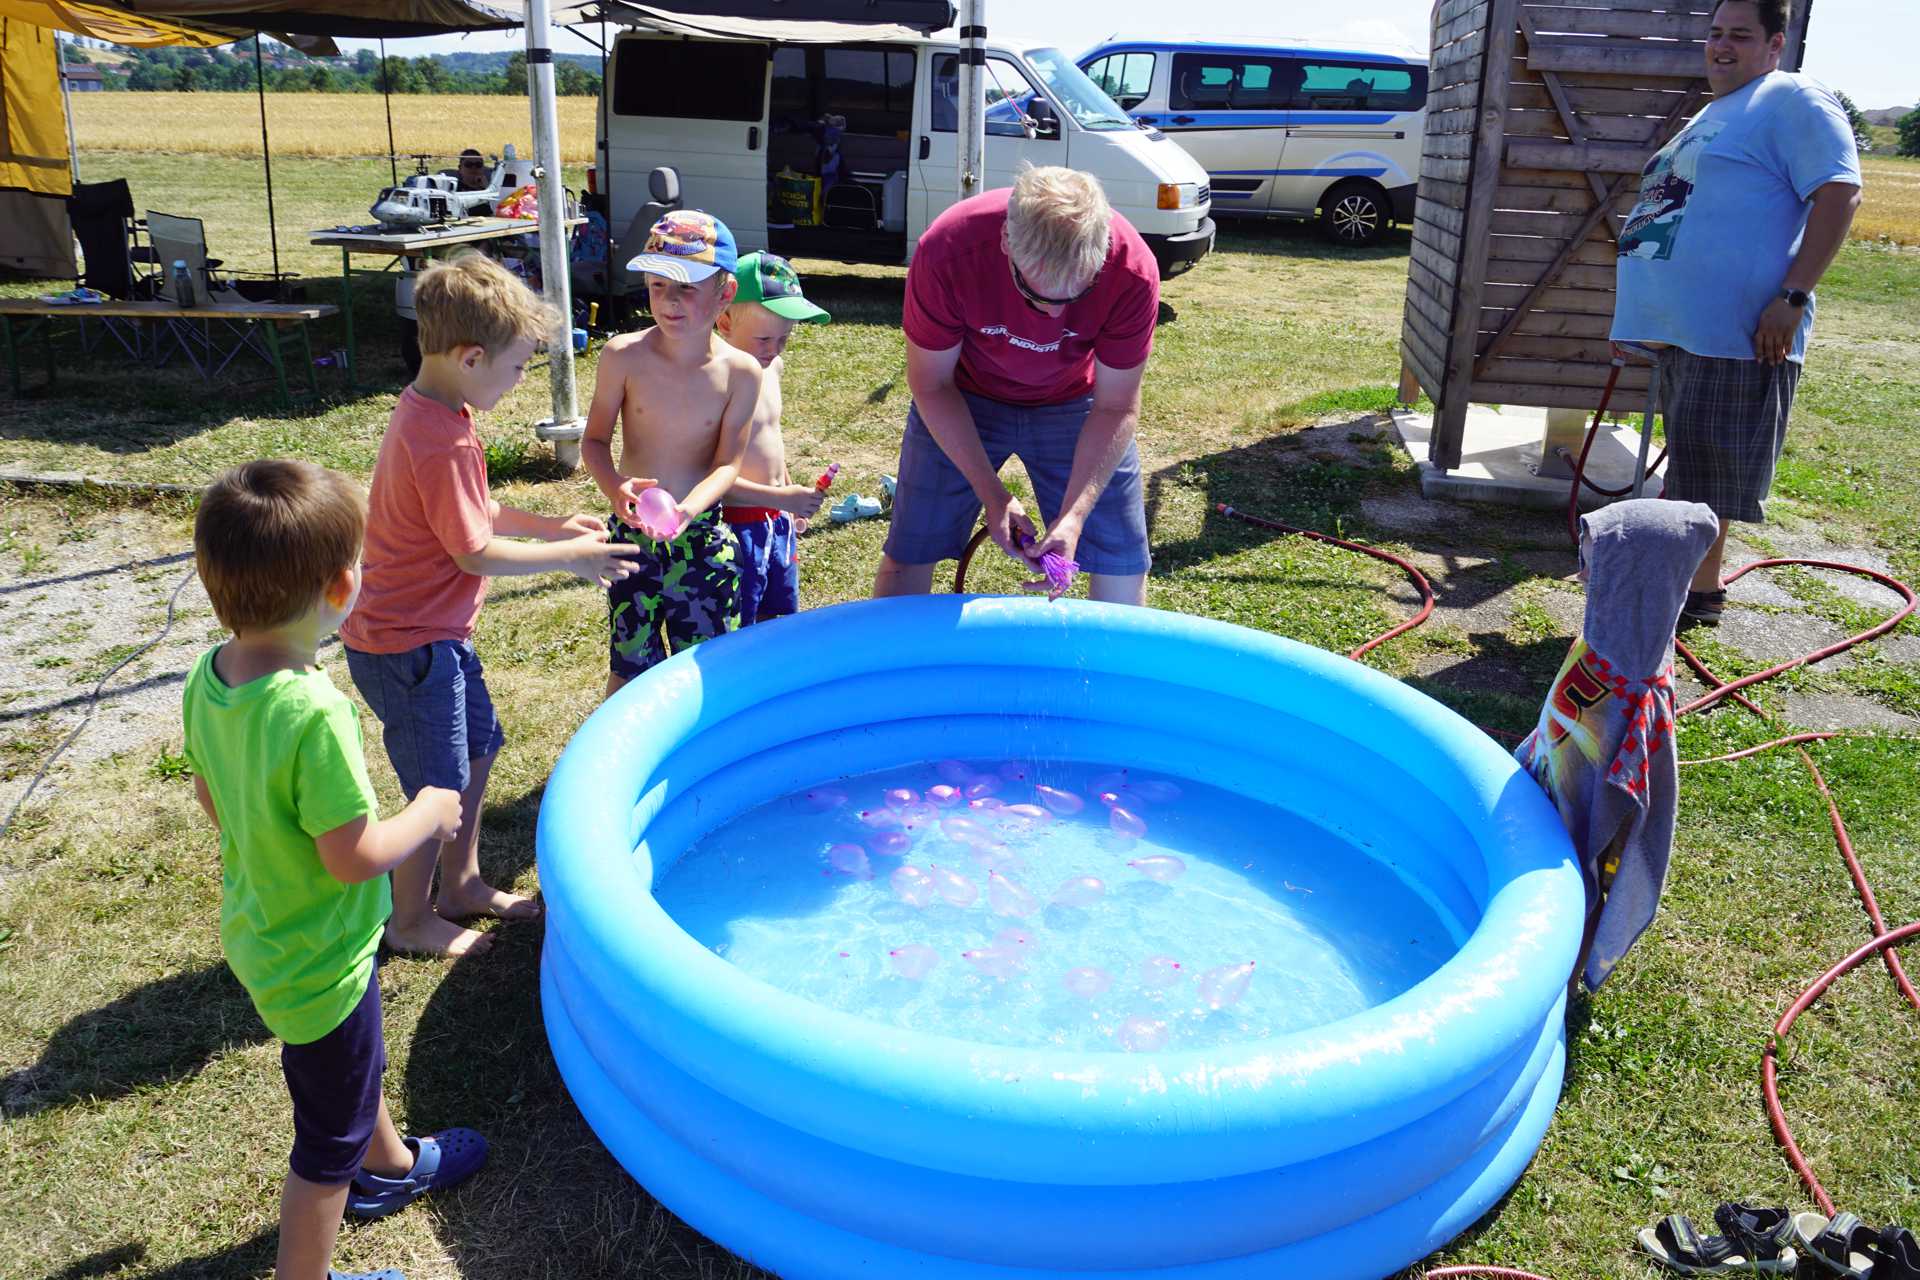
[1846, 1247]
[857, 506]
[440, 1160]
[1753, 1241]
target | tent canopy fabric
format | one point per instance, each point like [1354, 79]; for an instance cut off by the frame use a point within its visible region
[112, 25]
[782, 20]
[675, 23]
[33, 120]
[361, 19]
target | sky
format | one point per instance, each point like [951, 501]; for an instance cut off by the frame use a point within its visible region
[1865, 48]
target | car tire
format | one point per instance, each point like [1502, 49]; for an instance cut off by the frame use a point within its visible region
[1354, 214]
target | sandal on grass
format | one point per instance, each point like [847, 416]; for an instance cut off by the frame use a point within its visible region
[1896, 1255]
[854, 507]
[1837, 1245]
[1676, 1243]
[440, 1161]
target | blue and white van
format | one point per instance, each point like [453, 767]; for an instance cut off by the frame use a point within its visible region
[1282, 131]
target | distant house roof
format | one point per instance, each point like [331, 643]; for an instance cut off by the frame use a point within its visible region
[82, 73]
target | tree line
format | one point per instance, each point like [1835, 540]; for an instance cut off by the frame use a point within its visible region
[230, 68]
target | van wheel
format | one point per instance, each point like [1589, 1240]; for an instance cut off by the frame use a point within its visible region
[1354, 214]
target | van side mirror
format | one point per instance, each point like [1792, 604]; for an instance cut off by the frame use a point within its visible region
[1044, 123]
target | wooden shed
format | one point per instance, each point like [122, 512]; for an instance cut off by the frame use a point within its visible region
[1540, 118]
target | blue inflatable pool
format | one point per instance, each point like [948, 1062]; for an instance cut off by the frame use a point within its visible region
[817, 1143]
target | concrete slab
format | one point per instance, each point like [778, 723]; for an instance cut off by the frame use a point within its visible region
[1778, 637]
[1501, 459]
[1844, 711]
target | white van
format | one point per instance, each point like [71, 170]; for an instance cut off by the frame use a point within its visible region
[1282, 131]
[748, 122]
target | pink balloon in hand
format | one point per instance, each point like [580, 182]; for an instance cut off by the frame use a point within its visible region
[1225, 985]
[913, 961]
[1087, 982]
[1161, 868]
[657, 513]
[912, 886]
[1009, 897]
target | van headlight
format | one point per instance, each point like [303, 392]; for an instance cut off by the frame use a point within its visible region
[1179, 195]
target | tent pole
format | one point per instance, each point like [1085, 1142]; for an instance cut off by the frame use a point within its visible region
[565, 428]
[973, 112]
[66, 100]
[386, 94]
[606, 176]
[266, 158]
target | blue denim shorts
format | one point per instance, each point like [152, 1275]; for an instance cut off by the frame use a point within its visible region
[935, 509]
[769, 580]
[435, 714]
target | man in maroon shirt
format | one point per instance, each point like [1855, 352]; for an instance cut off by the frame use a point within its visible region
[1029, 317]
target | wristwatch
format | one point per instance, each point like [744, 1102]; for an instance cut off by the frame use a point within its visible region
[1795, 297]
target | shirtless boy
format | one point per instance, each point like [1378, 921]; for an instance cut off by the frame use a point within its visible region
[764, 507]
[684, 400]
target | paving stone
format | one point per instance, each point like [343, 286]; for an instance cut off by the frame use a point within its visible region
[1777, 637]
[1845, 711]
[1760, 588]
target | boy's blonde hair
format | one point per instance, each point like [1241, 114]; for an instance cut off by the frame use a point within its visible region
[269, 537]
[469, 300]
[1059, 222]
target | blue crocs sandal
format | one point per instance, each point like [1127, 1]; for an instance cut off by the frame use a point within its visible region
[442, 1160]
[854, 507]
[391, 1273]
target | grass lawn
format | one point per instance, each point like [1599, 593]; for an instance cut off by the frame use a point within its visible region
[144, 1123]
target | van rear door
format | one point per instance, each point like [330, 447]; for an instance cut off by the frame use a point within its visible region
[699, 106]
[1226, 109]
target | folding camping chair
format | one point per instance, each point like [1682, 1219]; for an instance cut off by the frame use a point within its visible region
[186, 279]
[114, 261]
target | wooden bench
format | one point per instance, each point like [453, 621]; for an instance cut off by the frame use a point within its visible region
[250, 321]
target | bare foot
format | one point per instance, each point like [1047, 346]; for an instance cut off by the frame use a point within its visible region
[482, 899]
[436, 937]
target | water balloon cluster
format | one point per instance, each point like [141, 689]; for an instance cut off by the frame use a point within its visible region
[978, 821]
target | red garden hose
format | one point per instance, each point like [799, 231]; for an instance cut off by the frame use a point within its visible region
[1586, 447]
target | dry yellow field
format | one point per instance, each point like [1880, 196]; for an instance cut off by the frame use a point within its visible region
[321, 124]
[1890, 203]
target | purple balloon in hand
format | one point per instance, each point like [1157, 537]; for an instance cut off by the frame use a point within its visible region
[1058, 569]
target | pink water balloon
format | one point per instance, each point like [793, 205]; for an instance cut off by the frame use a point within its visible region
[962, 828]
[913, 886]
[1015, 941]
[954, 772]
[992, 962]
[955, 888]
[901, 797]
[992, 855]
[1131, 825]
[913, 961]
[1157, 973]
[1064, 803]
[1081, 891]
[1142, 1034]
[1008, 897]
[850, 860]
[1087, 982]
[1161, 868]
[890, 844]
[986, 804]
[879, 818]
[1155, 790]
[821, 799]
[657, 513]
[1225, 985]
[943, 795]
[980, 788]
[1033, 813]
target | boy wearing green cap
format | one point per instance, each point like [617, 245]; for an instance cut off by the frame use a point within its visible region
[764, 508]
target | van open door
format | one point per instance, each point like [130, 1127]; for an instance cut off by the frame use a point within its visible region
[1022, 128]
[699, 106]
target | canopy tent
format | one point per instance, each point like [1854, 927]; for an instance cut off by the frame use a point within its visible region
[819, 22]
[35, 166]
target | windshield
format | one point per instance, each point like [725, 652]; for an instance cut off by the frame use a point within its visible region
[1084, 100]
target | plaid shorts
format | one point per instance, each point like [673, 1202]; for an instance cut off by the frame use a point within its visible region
[1726, 424]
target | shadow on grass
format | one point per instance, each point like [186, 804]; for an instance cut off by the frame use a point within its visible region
[163, 1031]
[251, 1258]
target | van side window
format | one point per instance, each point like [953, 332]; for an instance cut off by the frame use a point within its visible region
[1008, 93]
[690, 79]
[1127, 78]
[1360, 86]
[1229, 82]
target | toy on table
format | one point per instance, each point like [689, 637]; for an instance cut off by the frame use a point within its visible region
[1058, 569]
[657, 513]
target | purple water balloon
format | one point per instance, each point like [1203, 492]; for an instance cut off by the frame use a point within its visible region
[890, 844]
[992, 962]
[986, 804]
[1064, 803]
[1142, 1034]
[913, 961]
[943, 795]
[1031, 812]
[1157, 973]
[1081, 891]
[1111, 799]
[879, 818]
[820, 799]
[954, 887]
[962, 828]
[1225, 985]
[850, 860]
[901, 797]
[1130, 824]
[913, 886]
[992, 855]
[980, 788]
[1161, 868]
[1087, 982]
[1009, 897]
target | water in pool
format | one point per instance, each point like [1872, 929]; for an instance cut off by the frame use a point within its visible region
[1079, 907]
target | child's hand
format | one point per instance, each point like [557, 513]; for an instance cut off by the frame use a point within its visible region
[442, 806]
[595, 559]
[580, 524]
[626, 499]
[802, 500]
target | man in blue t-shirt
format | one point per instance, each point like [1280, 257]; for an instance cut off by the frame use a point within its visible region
[1738, 218]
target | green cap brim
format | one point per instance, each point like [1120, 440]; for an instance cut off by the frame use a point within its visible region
[796, 309]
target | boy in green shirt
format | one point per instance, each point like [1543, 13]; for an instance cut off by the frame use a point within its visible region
[277, 765]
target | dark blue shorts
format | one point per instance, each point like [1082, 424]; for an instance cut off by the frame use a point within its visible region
[335, 1083]
[769, 580]
[436, 717]
[935, 509]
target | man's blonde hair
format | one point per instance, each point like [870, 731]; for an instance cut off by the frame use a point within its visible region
[1059, 224]
[269, 537]
[469, 300]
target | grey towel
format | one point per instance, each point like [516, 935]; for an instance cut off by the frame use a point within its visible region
[1603, 748]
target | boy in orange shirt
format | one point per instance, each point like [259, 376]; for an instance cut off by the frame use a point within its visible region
[434, 537]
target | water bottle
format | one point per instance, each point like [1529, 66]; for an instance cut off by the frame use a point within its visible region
[182, 284]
